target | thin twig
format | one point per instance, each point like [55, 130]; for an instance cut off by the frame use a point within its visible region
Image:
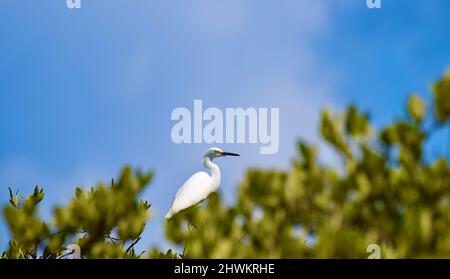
[113, 239]
[67, 254]
[60, 232]
[132, 244]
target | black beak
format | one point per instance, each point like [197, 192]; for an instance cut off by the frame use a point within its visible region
[230, 154]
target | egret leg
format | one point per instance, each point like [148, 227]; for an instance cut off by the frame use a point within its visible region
[191, 228]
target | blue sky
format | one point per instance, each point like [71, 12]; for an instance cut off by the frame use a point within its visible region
[83, 92]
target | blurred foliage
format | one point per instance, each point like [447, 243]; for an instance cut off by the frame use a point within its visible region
[105, 222]
[387, 191]
[442, 94]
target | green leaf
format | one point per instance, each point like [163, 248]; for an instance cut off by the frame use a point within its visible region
[416, 108]
[442, 98]
[356, 123]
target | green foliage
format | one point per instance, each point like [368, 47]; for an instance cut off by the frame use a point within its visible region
[106, 221]
[387, 191]
[27, 228]
[442, 94]
[416, 108]
[387, 194]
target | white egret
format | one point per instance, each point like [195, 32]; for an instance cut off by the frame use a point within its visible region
[75, 252]
[200, 185]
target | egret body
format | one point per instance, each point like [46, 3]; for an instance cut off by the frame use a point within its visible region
[199, 185]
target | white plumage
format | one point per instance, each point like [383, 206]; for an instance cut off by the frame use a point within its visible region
[199, 185]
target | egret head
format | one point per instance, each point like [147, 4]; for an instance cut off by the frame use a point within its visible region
[215, 152]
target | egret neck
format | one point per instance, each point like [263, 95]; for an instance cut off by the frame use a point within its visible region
[213, 169]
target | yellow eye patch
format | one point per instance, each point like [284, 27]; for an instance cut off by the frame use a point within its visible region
[218, 152]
